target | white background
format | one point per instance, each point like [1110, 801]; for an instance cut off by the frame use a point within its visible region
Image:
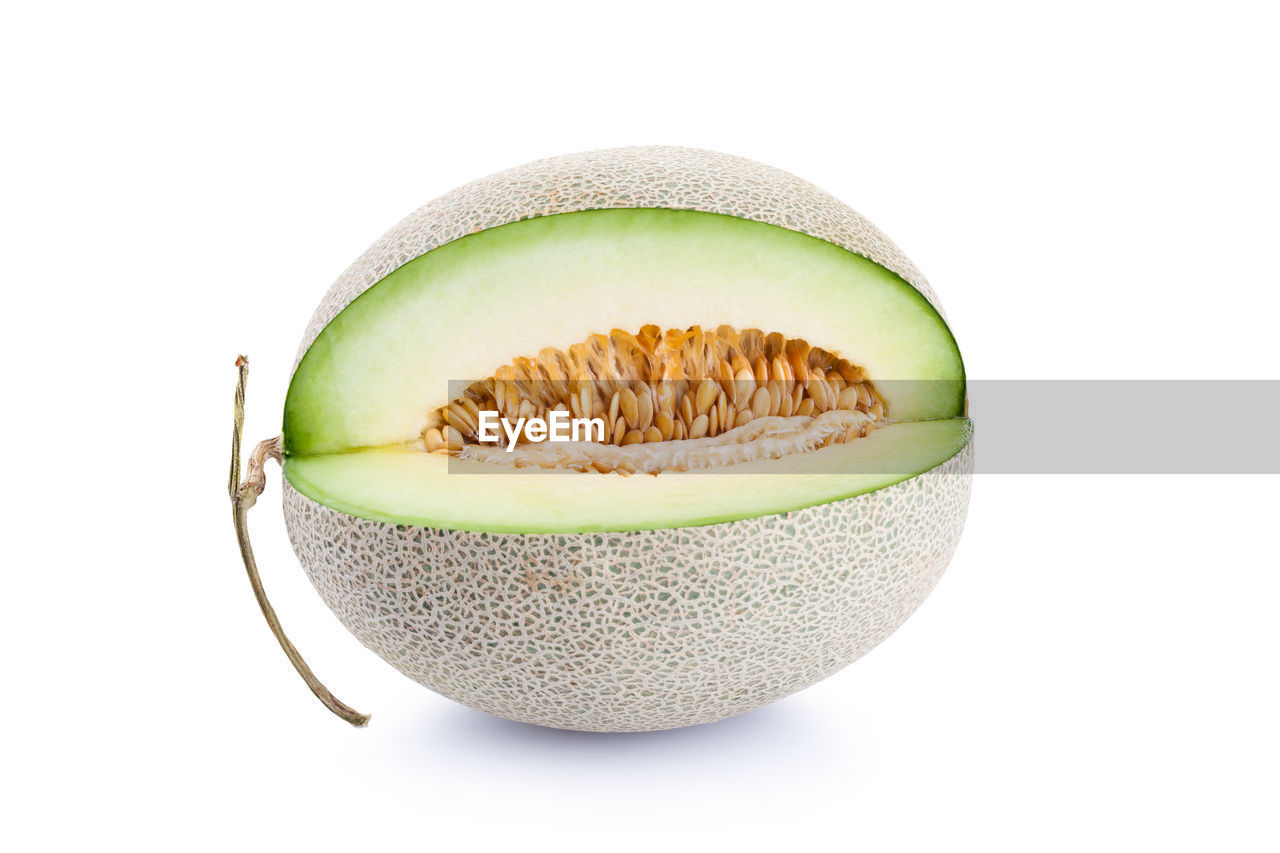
[1092, 190]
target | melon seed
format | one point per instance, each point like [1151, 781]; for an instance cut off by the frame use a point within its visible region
[664, 386]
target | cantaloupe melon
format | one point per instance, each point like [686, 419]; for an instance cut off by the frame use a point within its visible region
[781, 477]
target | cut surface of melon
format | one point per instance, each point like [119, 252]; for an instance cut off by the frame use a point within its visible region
[404, 485]
[380, 385]
[456, 313]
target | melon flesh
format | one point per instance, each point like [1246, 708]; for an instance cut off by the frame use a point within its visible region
[459, 311]
[358, 399]
[403, 485]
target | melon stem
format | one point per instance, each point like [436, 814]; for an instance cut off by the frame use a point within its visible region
[243, 496]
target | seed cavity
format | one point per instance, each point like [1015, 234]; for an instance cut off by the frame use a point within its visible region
[655, 388]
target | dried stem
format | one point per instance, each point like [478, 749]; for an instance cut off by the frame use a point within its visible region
[243, 496]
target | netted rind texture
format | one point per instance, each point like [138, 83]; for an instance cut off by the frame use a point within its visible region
[645, 176]
[643, 630]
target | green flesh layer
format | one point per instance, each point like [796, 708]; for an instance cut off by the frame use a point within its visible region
[404, 485]
[462, 310]
[362, 391]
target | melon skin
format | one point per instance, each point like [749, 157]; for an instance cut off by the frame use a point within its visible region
[640, 630]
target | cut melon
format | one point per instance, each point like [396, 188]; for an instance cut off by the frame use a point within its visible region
[780, 477]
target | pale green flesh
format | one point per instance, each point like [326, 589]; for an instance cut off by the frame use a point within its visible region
[460, 311]
[362, 392]
[405, 485]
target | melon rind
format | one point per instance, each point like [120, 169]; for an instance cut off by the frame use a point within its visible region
[640, 630]
[641, 176]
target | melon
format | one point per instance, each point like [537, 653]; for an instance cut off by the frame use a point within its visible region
[774, 469]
